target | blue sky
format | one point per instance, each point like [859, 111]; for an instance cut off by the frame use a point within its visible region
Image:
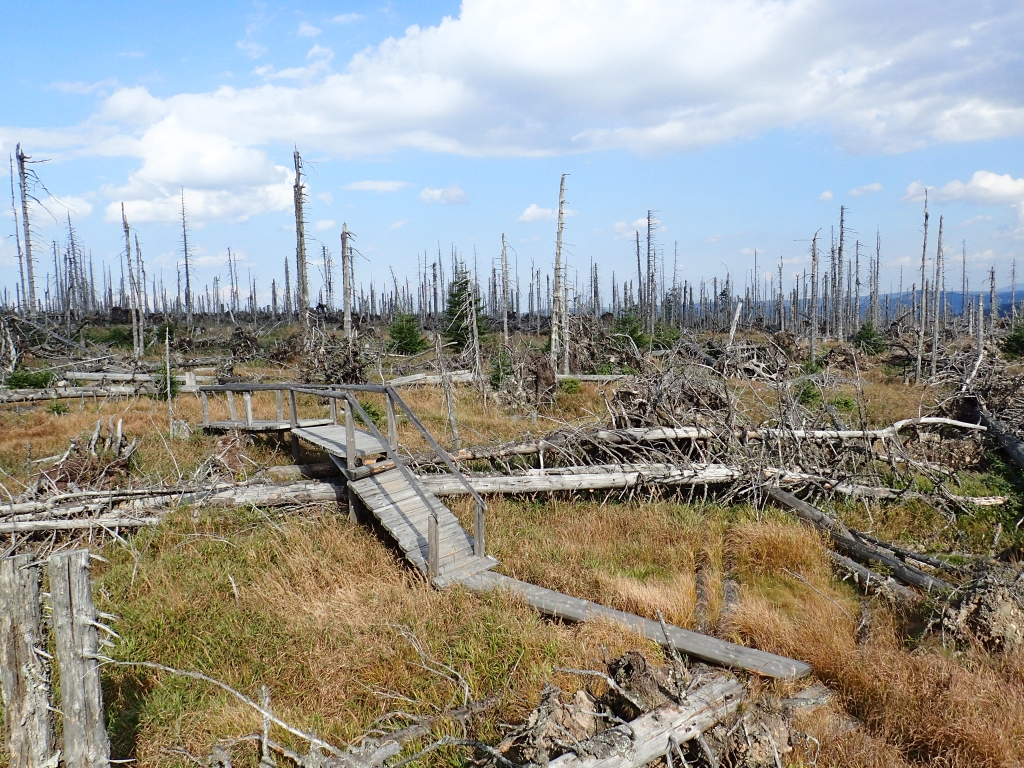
[744, 124]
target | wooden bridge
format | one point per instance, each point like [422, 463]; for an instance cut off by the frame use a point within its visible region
[429, 535]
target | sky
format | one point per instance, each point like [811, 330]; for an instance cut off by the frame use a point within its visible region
[743, 124]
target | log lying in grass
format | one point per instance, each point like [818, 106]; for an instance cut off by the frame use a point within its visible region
[652, 434]
[858, 549]
[65, 393]
[875, 582]
[657, 733]
[1009, 442]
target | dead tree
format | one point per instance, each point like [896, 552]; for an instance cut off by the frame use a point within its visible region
[559, 335]
[920, 314]
[935, 301]
[184, 248]
[26, 224]
[299, 190]
[346, 283]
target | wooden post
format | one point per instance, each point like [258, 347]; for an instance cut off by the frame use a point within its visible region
[350, 459]
[247, 397]
[232, 414]
[294, 418]
[24, 671]
[74, 625]
[206, 408]
[280, 404]
[478, 530]
[334, 410]
[432, 546]
[392, 423]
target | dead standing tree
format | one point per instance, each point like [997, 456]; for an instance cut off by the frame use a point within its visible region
[302, 298]
[23, 176]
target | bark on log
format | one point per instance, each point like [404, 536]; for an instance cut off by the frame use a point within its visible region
[856, 548]
[24, 672]
[651, 736]
[1009, 442]
[74, 626]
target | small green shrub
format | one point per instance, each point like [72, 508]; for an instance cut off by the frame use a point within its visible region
[501, 368]
[665, 336]
[810, 367]
[406, 338]
[844, 403]
[1013, 345]
[160, 382]
[806, 393]
[57, 408]
[569, 386]
[375, 412]
[28, 378]
[630, 325]
[869, 340]
[117, 336]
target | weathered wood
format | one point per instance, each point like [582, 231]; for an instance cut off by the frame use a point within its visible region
[24, 671]
[478, 530]
[333, 438]
[1006, 440]
[263, 425]
[247, 398]
[74, 626]
[109, 523]
[205, 398]
[433, 549]
[875, 582]
[856, 548]
[691, 643]
[231, 406]
[392, 422]
[293, 421]
[652, 735]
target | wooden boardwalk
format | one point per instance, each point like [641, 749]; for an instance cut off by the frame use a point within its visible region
[431, 537]
[404, 510]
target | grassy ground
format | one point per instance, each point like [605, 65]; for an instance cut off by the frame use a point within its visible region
[321, 612]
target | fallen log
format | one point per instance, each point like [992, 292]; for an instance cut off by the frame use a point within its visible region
[873, 582]
[35, 526]
[657, 733]
[1006, 440]
[652, 434]
[858, 549]
[65, 393]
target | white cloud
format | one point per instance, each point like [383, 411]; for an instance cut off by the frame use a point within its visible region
[975, 220]
[59, 207]
[346, 18]
[377, 186]
[534, 212]
[326, 197]
[535, 78]
[984, 187]
[747, 251]
[399, 224]
[251, 49]
[86, 88]
[450, 194]
[319, 58]
[323, 226]
[826, 195]
[307, 30]
[867, 189]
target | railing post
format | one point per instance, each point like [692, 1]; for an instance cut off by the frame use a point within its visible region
[74, 625]
[433, 554]
[206, 409]
[280, 404]
[350, 436]
[232, 414]
[294, 423]
[392, 423]
[247, 396]
[334, 409]
[478, 530]
[24, 673]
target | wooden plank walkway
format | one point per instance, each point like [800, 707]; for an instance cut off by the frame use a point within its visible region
[694, 644]
[264, 425]
[403, 511]
[331, 437]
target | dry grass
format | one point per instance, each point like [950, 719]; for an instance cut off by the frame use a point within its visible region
[312, 610]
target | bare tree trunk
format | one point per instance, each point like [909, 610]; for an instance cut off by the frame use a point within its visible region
[504, 288]
[935, 301]
[920, 313]
[814, 295]
[133, 288]
[184, 247]
[346, 282]
[556, 305]
[300, 243]
[26, 224]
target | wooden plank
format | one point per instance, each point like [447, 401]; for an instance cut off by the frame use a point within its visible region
[74, 621]
[264, 425]
[331, 437]
[690, 643]
[24, 673]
